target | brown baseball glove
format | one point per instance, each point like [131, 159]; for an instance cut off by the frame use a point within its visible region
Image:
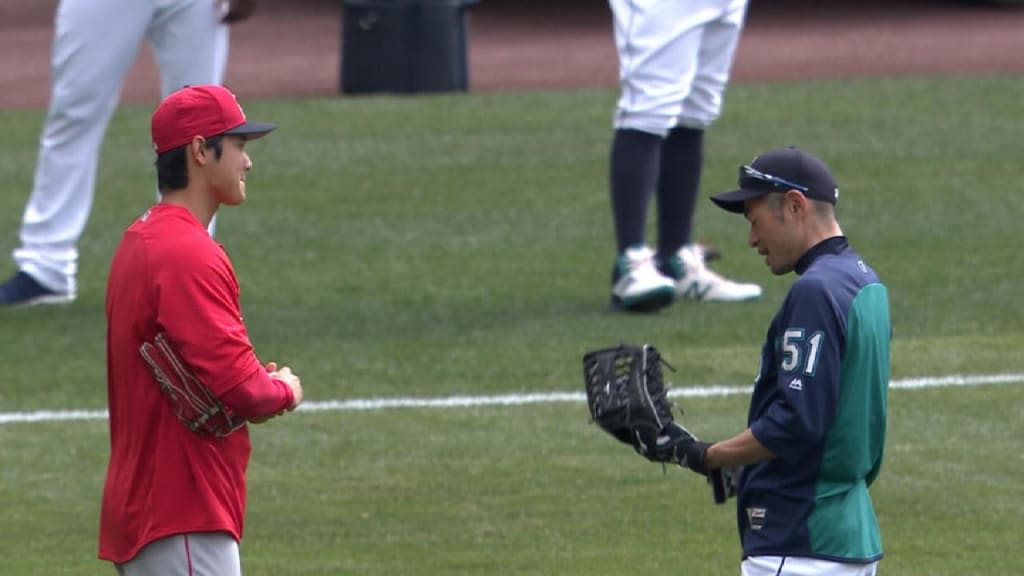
[194, 404]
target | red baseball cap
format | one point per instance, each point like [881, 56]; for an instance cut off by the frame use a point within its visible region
[207, 110]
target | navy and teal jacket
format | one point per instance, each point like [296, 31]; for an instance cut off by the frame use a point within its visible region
[820, 405]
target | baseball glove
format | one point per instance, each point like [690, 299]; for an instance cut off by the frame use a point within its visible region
[626, 393]
[628, 399]
[194, 404]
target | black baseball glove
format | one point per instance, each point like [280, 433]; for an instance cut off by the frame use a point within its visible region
[628, 399]
[627, 395]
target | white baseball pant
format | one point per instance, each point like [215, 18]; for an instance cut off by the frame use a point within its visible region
[797, 566]
[675, 59]
[196, 554]
[94, 46]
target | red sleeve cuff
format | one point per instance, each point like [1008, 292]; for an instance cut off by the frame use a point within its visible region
[259, 397]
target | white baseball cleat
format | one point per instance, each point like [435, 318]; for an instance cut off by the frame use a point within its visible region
[695, 281]
[637, 286]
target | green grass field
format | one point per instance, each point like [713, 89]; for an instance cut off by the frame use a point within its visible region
[435, 246]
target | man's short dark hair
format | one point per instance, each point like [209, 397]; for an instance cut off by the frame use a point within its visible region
[172, 170]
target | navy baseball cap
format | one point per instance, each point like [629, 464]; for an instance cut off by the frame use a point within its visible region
[780, 170]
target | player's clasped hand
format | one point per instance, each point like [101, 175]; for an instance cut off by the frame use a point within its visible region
[285, 375]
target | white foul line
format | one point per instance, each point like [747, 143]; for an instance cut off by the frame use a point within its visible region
[519, 399]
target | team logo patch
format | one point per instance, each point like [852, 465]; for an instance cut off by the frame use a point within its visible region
[756, 517]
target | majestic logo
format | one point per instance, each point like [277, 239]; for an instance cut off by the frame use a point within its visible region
[796, 384]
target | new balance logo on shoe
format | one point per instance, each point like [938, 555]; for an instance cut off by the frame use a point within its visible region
[695, 281]
[695, 291]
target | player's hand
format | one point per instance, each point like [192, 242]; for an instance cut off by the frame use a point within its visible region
[237, 10]
[271, 369]
[677, 445]
[292, 380]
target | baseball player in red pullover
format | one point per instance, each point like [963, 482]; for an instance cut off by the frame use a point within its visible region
[174, 498]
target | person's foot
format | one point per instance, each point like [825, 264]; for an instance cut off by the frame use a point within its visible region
[637, 286]
[695, 281]
[23, 290]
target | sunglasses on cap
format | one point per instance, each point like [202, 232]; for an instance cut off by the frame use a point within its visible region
[751, 172]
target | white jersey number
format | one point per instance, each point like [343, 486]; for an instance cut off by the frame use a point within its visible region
[798, 351]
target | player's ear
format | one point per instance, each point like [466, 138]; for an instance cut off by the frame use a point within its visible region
[795, 202]
[197, 150]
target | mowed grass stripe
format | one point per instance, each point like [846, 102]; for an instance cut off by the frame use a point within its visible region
[518, 399]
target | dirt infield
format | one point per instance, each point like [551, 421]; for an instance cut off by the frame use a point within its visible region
[292, 47]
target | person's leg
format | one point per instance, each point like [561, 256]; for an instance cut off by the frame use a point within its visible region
[657, 44]
[762, 565]
[196, 554]
[189, 43]
[634, 163]
[682, 163]
[94, 45]
[190, 47]
[721, 36]
[214, 554]
[682, 160]
[797, 566]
